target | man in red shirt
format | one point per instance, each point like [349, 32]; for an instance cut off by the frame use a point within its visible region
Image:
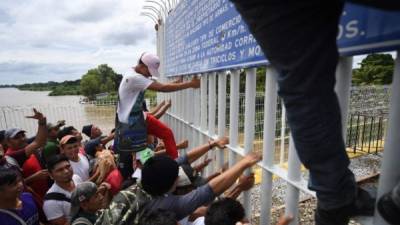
[18, 147]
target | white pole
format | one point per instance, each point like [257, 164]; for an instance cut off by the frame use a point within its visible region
[342, 88]
[390, 173]
[270, 101]
[211, 117]
[283, 129]
[233, 114]
[249, 120]
[292, 193]
[221, 114]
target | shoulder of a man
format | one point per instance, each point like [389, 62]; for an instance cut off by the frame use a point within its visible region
[127, 202]
[137, 81]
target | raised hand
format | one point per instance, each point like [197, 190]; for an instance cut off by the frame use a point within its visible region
[37, 115]
[252, 158]
[221, 142]
[195, 82]
[246, 182]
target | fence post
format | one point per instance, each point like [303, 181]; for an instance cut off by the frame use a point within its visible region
[211, 117]
[294, 174]
[270, 102]
[203, 107]
[249, 120]
[390, 174]
[221, 114]
[283, 129]
[233, 114]
[342, 88]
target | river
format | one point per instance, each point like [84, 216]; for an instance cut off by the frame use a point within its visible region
[16, 104]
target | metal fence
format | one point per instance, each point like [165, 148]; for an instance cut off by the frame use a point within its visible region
[253, 123]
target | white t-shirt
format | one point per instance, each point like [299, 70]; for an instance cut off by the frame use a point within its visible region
[81, 168]
[54, 209]
[129, 89]
[198, 221]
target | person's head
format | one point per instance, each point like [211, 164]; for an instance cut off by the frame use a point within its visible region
[92, 146]
[148, 65]
[159, 175]
[226, 211]
[3, 140]
[158, 217]
[16, 138]
[11, 185]
[60, 169]
[52, 130]
[69, 146]
[86, 197]
[70, 130]
[92, 131]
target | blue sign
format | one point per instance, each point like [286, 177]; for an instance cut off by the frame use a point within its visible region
[209, 35]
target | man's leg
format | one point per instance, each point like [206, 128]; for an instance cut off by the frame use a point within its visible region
[162, 131]
[299, 38]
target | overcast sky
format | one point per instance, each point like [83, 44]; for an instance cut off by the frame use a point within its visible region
[43, 40]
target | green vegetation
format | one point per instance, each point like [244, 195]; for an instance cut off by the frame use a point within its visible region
[99, 80]
[376, 69]
[55, 88]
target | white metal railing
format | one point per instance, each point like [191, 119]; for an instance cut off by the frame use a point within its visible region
[201, 124]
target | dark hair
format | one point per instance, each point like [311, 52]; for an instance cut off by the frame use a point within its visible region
[159, 174]
[158, 217]
[65, 131]
[226, 211]
[54, 160]
[2, 137]
[8, 176]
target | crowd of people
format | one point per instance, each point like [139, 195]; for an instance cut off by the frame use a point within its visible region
[57, 177]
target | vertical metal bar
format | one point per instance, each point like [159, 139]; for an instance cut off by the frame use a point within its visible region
[342, 88]
[378, 135]
[233, 114]
[283, 129]
[370, 134]
[203, 106]
[249, 118]
[211, 117]
[390, 173]
[270, 102]
[363, 134]
[221, 114]
[294, 174]
[356, 135]
[351, 130]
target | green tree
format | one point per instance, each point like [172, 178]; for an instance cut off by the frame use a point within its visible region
[376, 69]
[99, 80]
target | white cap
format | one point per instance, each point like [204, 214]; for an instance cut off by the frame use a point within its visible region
[152, 62]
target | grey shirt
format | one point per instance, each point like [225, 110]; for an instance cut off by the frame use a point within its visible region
[183, 205]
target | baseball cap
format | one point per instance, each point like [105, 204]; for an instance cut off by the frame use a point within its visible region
[83, 191]
[12, 132]
[68, 138]
[152, 62]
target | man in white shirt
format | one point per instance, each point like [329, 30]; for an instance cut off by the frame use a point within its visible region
[57, 199]
[69, 146]
[133, 86]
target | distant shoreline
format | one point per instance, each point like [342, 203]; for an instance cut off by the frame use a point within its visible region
[54, 88]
